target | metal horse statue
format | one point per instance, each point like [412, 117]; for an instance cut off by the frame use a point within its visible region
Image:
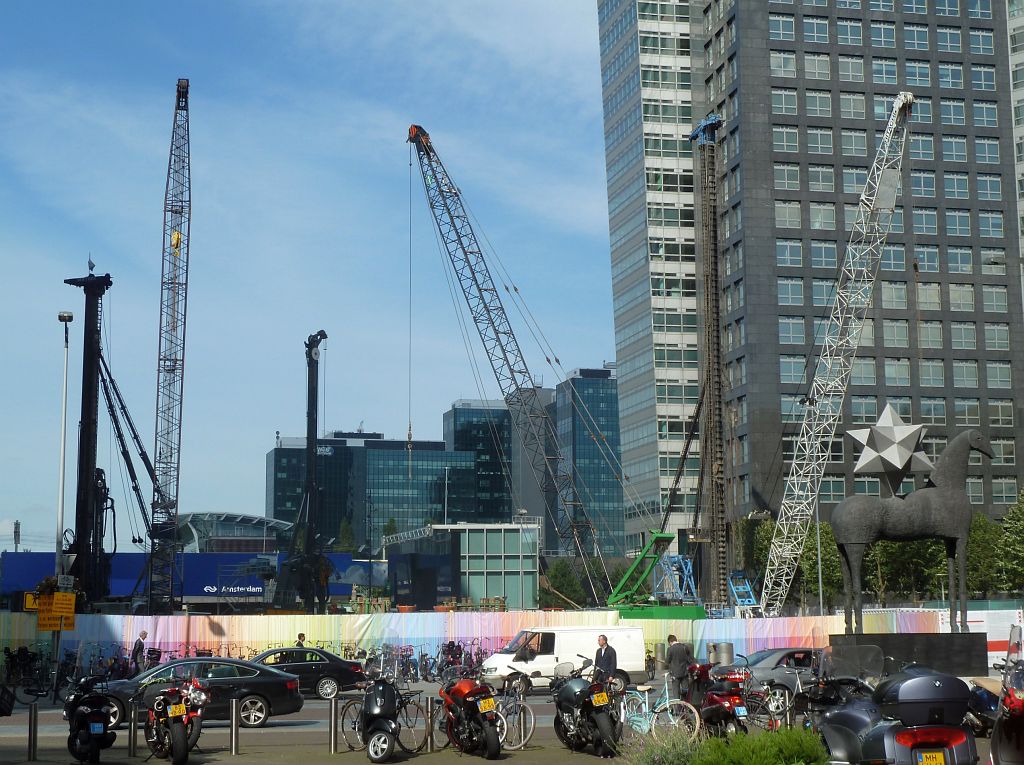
[942, 510]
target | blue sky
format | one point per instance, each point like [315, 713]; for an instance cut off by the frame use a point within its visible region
[301, 203]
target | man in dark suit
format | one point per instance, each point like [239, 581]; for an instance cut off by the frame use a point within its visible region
[679, 658]
[604, 662]
[138, 655]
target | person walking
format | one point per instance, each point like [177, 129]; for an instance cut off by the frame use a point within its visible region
[605, 662]
[301, 642]
[137, 659]
[679, 658]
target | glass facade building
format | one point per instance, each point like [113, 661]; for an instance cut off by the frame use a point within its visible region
[485, 429]
[805, 88]
[586, 415]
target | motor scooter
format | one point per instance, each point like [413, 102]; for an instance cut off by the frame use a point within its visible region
[378, 721]
[87, 711]
[1007, 745]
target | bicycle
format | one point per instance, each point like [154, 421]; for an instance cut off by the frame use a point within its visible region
[412, 719]
[640, 718]
[520, 722]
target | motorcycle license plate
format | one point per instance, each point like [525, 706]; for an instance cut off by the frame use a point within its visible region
[599, 699]
[931, 758]
[741, 711]
[96, 727]
[486, 705]
[177, 710]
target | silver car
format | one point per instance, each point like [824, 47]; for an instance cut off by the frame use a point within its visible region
[775, 667]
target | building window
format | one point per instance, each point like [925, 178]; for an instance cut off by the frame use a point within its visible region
[990, 224]
[851, 106]
[894, 295]
[947, 39]
[817, 66]
[792, 369]
[927, 258]
[979, 9]
[895, 333]
[783, 64]
[921, 146]
[955, 185]
[915, 37]
[781, 27]
[851, 68]
[868, 487]
[1000, 412]
[787, 177]
[791, 330]
[947, 7]
[983, 77]
[954, 148]
[792, 409]
[787, 214]
[785, 139]
[791, 291]
[854, 179]
[997, 337]
[883, 34]
[922, 111]
[925, 220]
[951, 76]
[967, 411]
[933, 410]
[990, 188]
[993, 261]
[819, 103]
[1004, 491]
[961, 297]
[929, 334]
[960, 260]
[919, 73]
[958, 222]
[824, 254]
[855, 144]
[789, 252]
[985, 114]
[894, 258]
[863, 409]
[823, 292]
[986, 150]
[965, 374]
[821, 178]
[833, 489]
[822, 216]
[897, 372]
[975, 491]
[951, 112]
[928, 296]
[849, 32]
[998, 373]
[932, 373]
[819, 141]
[994, 298]
[915, 6]
[963, 335]
[922, 183]
[783, 101]
[863, 372]
[982, 42]
[883, 72]
[815, 29]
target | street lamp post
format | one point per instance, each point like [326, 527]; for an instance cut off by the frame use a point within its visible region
[65, 318]
[446, 495]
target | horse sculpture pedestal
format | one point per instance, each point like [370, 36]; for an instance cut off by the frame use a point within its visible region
[940, 511]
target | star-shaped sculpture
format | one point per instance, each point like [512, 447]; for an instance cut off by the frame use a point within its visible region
[891, 448]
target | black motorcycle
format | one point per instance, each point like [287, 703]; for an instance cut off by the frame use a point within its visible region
[87, 711]
[584, 714]
[378, 721]
[983, 707]
[913, 716]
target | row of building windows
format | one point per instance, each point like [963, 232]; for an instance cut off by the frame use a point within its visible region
[967, 412]
[931, 373]
[789, 253]
[854, 106]
[790, 291]
[881, 34]
[975, 9]
[854, 143]
[818, 66]
[821, 216]
[788, 177]
[833, 488]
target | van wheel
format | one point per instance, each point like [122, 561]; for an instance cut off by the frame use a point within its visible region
[618, 682]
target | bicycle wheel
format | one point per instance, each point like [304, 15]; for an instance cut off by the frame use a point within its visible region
[520, 724]
[760, 713]
[352, 725]
[412, 735]
[677, 714]
[28, 690]
[439, 727]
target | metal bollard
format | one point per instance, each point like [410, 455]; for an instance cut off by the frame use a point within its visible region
[431, 745]
[233, 729]
[33, 731]
[332, 726]
[133, 728]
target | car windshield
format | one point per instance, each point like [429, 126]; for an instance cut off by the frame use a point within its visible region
[757, 657]
[517, 642]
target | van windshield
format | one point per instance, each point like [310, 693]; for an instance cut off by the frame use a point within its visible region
[517, 642]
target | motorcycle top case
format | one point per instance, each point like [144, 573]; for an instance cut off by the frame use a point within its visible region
[917, 699]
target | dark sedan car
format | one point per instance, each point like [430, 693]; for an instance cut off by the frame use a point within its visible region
[262, 691]
[319, 671]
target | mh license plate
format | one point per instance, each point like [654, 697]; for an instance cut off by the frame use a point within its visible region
[486, 705]
[177, 710]
[599, 699]
[96, 727]
[931, 758]
[741, 711]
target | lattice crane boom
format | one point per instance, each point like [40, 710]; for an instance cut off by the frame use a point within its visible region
[518, 387]
[824, 404]
[171, 360]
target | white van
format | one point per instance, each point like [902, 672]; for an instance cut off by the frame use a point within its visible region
[539, 649]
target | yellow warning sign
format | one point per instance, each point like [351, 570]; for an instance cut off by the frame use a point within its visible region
[63, 603]
[31, 602]
[51, 622]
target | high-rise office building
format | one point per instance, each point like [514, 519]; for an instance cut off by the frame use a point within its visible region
[485, 429]
[805, 88]
[586, 415]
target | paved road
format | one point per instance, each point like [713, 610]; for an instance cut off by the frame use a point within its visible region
[298, 739]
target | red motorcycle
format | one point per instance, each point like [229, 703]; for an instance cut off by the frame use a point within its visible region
[1007, 746]
[720, 702]
[471, 716]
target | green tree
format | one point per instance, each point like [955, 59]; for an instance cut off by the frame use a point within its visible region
[984, 570]
[1010, 550]
[346, 542]
[562, 577]
[904, 570]
[831, 572]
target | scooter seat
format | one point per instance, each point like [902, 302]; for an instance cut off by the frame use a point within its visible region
[990, 684]
[644, 688]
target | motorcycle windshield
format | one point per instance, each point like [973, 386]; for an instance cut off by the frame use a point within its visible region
[865, 662]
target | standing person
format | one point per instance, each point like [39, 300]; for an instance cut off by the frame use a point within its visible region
[679, 658]
[301, 642]
[605, 662]
[137, 660]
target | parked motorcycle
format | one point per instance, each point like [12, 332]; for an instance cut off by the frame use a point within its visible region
[584, 714]
[472, 716]
[87, 711]
[378, 722]
[912, 716]
[1008, 732]
[983, 707]
[173, 718]
[722, 708]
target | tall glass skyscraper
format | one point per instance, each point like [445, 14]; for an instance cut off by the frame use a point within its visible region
[805, 88]
[586, 415]
[485, 429]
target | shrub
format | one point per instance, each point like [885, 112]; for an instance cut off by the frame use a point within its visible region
[786, 747]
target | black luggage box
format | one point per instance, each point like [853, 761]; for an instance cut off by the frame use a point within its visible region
[914, 698]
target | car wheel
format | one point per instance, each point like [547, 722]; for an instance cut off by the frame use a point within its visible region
[327, 688]
[116, 713]
[253, 711]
